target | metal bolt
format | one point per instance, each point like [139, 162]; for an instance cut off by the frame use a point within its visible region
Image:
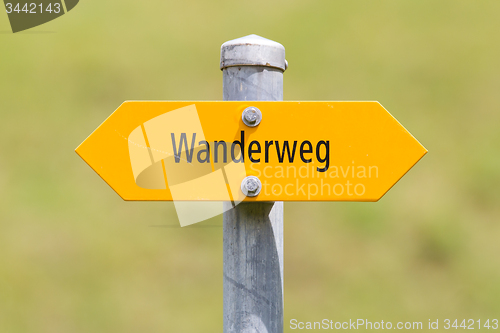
[251, 186]
[251, 116]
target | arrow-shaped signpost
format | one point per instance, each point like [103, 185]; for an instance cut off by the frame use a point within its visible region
[251, 151]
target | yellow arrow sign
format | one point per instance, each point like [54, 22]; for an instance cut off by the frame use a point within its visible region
[300, 151]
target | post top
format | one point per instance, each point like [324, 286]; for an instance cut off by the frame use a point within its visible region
[253, 50]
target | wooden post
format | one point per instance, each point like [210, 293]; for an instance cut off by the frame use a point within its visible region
[253, 232]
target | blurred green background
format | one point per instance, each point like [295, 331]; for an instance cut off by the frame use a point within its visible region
[76, 258]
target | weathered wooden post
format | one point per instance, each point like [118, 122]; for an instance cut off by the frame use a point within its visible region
[253, 232]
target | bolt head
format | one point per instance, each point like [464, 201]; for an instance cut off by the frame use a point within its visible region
[251, 186]
[251, 116]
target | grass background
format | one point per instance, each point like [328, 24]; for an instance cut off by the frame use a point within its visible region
[76, 258]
